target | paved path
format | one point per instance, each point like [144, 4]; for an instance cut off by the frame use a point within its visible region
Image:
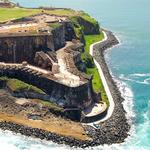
[106, 87]
[95, 109]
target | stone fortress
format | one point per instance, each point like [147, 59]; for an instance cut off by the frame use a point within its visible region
[43, 50]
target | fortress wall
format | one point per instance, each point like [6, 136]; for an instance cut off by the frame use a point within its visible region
[22, 48]
[69, 31]
[59, 37]
[80, 96]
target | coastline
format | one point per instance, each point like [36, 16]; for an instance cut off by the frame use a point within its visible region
[116, 128]
[113, 130]
[102, 76]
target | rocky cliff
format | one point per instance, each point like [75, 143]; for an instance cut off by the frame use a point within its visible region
[84, 25]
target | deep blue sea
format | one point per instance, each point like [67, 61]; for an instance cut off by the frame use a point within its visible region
[129, 63]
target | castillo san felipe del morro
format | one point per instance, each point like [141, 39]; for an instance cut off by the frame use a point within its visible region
[54, 81]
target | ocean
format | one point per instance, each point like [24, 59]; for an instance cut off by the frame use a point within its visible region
[129, 63]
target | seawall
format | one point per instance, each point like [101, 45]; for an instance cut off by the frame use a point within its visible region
[115, 129]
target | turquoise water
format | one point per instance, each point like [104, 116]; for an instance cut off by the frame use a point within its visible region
[129, 63]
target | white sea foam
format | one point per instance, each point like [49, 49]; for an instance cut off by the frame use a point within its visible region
[124, 89]
[141, 74]
[12, 141]
[128, 104]
[136, 78]
[127, 94]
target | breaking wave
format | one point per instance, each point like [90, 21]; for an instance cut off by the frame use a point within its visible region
[128, 104]
[12, 141]
[137, 78]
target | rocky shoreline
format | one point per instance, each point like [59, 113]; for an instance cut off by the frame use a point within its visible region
[114, 130]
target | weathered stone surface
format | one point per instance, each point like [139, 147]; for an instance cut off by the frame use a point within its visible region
[71, 96]
[23, 48]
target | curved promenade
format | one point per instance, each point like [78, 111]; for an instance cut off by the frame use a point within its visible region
[106, 87]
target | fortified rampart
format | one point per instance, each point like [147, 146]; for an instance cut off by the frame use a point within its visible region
[23, 47]
[20, 39]
[80, 96]
[39, 39]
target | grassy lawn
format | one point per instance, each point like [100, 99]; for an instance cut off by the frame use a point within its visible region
[17, 85]
[91, 68]
[55, 25]
[15, 13]
[89, 18]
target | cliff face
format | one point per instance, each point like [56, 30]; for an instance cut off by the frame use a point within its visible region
[69, 31]
[84, 25]
[89, 27]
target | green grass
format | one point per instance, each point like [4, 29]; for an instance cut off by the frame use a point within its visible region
[15, 13]
[88, 18]
[52, 106]
[91, 68]
[83, 24]
[7, 14]
[16, 85]
[90, 39]
[55, 25]
[3, 78]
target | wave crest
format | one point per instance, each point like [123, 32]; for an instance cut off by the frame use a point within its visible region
[137, 78]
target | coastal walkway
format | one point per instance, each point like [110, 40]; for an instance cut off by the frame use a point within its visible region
[95, 109]
[104, 81]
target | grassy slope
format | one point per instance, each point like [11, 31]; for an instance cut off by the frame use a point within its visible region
[97, 83]
[14, 13]
[15, 85]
